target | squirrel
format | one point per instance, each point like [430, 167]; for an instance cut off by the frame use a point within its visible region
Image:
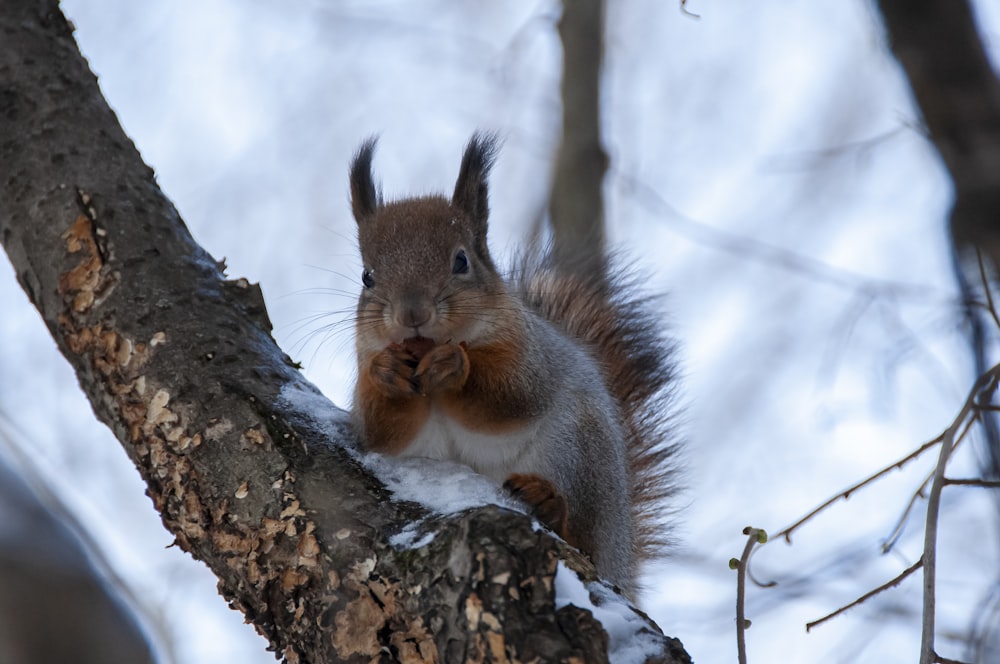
[555, 382]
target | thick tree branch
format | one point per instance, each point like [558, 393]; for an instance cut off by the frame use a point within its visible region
[180, 364]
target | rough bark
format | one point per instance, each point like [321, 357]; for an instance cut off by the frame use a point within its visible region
[178, 361]
[577, 203]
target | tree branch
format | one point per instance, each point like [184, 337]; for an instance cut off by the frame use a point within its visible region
[985, 383]
[983, 484]
[755, 536]
[251, 469]
[868, 595]
[786, 533]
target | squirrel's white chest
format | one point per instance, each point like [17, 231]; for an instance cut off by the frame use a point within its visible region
[493, 455]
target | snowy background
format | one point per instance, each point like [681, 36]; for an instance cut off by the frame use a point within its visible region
[767, 173]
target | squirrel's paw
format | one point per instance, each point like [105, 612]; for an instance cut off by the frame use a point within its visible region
[547, 504]
[391, 371]
[445, 367]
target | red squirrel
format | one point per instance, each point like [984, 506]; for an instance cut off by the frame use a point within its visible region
[554, 383]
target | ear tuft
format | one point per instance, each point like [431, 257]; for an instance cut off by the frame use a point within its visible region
[365, 194]
[471, 193]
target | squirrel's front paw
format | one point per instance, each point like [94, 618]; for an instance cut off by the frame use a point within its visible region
[391, 371]
[443, 368]
[546, 503]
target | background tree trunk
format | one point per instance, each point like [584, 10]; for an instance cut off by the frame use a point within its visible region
[577, 203]
[179, 363]
[958, 94]
[938, 45]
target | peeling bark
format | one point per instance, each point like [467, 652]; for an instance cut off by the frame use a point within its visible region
[178, 361]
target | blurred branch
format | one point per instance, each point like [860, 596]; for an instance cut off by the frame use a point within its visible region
[984, 280]
[979, 341]
[577, 201]
[938, 45]
[798, 160]
[749, 248]
[940, 49]
[60, 599]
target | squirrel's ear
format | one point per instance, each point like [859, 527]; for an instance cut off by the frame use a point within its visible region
[471, 193]
[365, 195]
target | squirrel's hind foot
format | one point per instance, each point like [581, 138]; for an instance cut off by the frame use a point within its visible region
[546, 503]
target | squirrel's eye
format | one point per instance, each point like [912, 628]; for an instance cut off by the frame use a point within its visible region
[367, 279]
[461, 264]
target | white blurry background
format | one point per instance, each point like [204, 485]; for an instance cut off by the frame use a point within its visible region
[766, 172]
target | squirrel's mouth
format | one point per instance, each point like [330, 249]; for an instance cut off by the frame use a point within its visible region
[418, 346]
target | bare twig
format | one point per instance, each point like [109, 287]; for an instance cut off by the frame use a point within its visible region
[938, 659]
[885, 586]
[687, 12]
[986, 484]
[754, 536]
[984, 384]
[919, 493]
[786, 533]
[897, 530]
[846, 493]
[975, 404]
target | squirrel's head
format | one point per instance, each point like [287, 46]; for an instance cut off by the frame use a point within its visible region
[427, 269]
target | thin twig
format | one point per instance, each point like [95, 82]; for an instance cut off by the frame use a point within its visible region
[986, 484]
[687, 12]
[938, 659]
[986, 382]
[897, 531]
[754, 536]
[885, 586]
[843, 495]
[846, 493]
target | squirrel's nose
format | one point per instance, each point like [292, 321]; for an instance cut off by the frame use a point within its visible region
[414, 314]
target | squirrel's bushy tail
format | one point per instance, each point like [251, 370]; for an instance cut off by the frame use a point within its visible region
[605, 309]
